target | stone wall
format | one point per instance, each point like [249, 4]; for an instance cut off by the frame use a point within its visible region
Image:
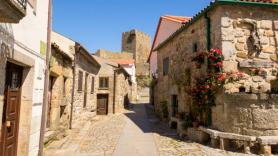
[61, 71]
[180, 51]
[139, 44]
[246, 114]
[85, 65]
[249, 44]
[123, 90]
[106, 54]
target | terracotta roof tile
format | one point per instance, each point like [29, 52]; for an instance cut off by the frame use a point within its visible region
[123, 61]
[180, 19]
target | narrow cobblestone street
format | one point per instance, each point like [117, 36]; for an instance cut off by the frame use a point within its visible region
[134, 133]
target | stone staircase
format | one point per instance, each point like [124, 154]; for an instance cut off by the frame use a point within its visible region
[144, 95]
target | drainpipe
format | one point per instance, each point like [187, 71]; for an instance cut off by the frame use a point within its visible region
[208, 23]
[46, 79]
[73, 88]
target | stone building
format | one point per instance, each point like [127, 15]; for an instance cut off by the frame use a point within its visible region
[135, 45]
[246, 33]
[113, 86]
[138, 43]
[166, 26]
[22, 65]
[86, 69]
[60, 86]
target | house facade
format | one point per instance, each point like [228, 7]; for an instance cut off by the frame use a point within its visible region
[166, 26]
[22, 65]
[60, 86]
[244, 103]
[86, 69]
[113, 86]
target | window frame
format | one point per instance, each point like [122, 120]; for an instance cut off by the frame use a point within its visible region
[103, 82]
[93, 85]
[166, 63]
[80, 81]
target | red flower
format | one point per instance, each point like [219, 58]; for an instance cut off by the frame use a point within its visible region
[222, 77]
[253, 70]
[218, 51]
[219, 64]
[241, 74]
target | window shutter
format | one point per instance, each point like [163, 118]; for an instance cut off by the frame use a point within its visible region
[93, 85]
[80, 80]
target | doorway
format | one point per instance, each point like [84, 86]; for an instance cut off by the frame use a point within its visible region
[10, 119]
[102, 104]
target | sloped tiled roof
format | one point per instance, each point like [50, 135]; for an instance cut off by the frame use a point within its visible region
[265, 3]
[123, 61]
[180, 19]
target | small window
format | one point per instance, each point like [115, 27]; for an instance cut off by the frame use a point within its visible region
[93, 85]
[80, 80]
[165, 66]
[103, 82]
[195, 47]
[64, 86]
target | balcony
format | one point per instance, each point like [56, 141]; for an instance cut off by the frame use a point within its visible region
[12, 11]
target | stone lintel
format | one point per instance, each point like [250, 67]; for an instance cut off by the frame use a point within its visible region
[256, 64]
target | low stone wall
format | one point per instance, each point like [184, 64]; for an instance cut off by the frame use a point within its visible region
[246, 114]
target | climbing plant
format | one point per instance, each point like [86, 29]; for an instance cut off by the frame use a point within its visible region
[204, 90]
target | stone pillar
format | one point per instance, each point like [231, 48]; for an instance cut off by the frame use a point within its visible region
[265, 150]
[247, 147]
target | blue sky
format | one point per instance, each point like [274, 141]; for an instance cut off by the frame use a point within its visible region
[98, 24]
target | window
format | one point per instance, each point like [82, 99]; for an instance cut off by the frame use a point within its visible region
[195, 47]
[80, 80]
[166, 66]
[93, 85]
[103, 82]
[64, 86]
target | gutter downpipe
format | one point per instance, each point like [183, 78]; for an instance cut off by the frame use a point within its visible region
[73, 86]
[208, 22]
[114, 90]
[46, 79]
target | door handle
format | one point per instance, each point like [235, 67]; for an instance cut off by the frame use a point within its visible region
[8, 124]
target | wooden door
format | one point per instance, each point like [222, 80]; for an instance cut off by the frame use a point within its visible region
[10, 122]
[102, 104]
[85, 91]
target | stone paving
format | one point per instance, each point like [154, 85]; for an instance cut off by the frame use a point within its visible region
[101, 136]
[97, 137]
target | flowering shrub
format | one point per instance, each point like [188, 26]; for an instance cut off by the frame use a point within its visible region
[206, 85]
[236, 76]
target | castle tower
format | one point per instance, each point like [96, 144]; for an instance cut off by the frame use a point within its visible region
[139, 44]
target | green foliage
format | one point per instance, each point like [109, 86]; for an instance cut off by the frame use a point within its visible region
[144, 81]
[164, 109]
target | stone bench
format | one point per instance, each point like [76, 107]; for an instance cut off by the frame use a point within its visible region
[224, 137]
